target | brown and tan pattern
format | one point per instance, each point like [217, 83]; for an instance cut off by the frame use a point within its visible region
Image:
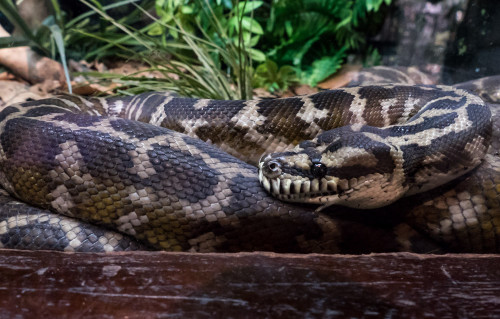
[172, 191]
[26, 227]
[400, 141]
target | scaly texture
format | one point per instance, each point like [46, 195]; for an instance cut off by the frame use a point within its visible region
[175, 192]
[428, 137]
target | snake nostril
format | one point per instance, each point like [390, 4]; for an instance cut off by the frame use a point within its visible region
[318, 170]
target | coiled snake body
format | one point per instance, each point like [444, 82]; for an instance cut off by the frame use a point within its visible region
[102, 171]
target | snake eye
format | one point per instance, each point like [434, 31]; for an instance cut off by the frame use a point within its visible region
[318, 169]
[272, 168]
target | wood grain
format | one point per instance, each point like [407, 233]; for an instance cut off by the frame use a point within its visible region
[247, 285]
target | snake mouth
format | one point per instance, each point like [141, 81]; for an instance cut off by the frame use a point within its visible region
[303, 190]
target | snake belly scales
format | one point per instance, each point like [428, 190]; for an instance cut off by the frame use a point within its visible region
[106, 174]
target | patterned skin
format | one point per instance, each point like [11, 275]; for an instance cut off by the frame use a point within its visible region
[428, 137]
[174, 192]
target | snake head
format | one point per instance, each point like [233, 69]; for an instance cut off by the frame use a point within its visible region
[349, 170]
[295, 178]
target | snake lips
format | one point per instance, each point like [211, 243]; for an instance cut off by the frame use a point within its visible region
[331, 178]
[364, 166]
[316, 189]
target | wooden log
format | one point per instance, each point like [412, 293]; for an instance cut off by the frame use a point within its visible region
[31, 66]
[247, 285]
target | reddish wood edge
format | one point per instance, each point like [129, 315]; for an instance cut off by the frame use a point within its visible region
[247, 285]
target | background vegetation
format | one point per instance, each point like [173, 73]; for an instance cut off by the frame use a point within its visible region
[209, 48]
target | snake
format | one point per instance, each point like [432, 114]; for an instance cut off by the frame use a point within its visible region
[417, 166]
[363, 166]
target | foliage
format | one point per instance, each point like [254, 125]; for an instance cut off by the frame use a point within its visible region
[323, 67]
[273, 78]
[100, 32]
[312, 37]
[235, 22]
[196, 62]
[372, 58]
[211, 48]
[316, 34]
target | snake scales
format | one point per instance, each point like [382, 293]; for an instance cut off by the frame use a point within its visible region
[82, 176]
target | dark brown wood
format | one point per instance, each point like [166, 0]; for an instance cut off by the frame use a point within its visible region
[251, 285]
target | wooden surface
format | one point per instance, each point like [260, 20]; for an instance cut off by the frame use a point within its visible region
[247, 285]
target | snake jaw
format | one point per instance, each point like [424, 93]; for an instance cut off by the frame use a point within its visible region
[275, 179]
[301, 190]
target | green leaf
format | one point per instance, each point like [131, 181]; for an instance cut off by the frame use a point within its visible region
[271, 68]
[57, 35]
[57, 13]
[245, 36]
[251, 25]
[257, 55]
[90, 13]
[187, 10]
[323, 68]
[13, 41]
[288, 28]
[233, 23]
[245, 7]
[44, 32]
[287, 72]
[301, 32]
[268, 76]
[227, 3]
[369, 5]
[254, 40]
[303, 49]
[344, 22]
[156, 30]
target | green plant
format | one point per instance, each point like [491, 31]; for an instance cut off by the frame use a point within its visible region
[372, 58]
[273, 78]
[315, 36]
[59, 39]
[213, 19]
[211, 61]
[96, 34]
[212, 48]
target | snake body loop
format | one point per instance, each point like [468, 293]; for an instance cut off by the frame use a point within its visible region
[85, 175]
